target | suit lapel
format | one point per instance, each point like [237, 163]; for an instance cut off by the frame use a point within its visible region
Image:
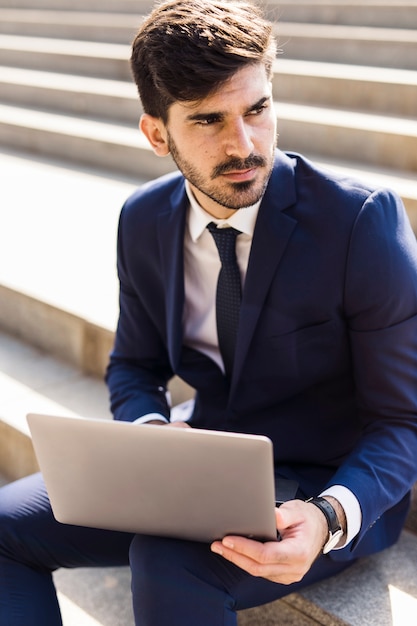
[171, 226]
[272, 232]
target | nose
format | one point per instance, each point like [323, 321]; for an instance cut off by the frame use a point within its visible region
[238, 139]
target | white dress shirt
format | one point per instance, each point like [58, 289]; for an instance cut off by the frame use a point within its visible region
[201, 269]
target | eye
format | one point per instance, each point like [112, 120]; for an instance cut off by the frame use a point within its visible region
[208, 120]
[259, 109]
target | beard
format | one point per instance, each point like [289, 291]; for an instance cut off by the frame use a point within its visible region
[231, 195]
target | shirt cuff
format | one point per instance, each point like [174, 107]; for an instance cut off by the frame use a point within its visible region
[149, 417]
[352, 510]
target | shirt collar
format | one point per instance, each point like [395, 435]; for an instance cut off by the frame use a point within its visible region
[243, 219]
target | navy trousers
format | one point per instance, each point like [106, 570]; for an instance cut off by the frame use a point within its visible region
[174, 583]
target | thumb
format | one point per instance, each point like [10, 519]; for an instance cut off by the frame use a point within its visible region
[288, 516]
[282, 518]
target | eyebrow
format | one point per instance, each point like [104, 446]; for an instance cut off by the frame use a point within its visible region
[199, 117]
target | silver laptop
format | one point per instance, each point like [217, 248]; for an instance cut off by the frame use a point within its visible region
[185, 483]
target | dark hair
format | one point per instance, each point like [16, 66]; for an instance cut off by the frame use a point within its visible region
[185, 49]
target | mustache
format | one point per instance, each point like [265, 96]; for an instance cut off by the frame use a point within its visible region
[235, 164]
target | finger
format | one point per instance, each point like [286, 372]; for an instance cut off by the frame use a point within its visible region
[227, 550]
[265, 568]
[248, 550]
[254, 550]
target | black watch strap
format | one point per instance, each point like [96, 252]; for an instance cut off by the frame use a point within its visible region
[333, 524]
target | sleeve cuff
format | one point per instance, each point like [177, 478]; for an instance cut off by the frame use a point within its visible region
[149, 417]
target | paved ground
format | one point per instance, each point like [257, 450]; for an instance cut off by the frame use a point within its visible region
[58, 234]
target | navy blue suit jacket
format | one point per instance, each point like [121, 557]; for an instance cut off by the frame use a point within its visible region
[326, 359]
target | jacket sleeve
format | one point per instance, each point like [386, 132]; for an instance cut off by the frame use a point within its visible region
[381, 312]
[139, 370]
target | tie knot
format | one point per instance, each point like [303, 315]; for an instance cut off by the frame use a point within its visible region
[225, 239]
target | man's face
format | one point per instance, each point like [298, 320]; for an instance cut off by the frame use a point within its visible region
[224, 144]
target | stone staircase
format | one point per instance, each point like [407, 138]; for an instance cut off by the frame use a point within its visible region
[345, 91]
[66, 90]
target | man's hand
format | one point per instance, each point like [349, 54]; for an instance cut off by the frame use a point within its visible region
[303, 530]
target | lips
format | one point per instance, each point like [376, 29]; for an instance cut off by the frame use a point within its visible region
[240, 175]
[242, 169]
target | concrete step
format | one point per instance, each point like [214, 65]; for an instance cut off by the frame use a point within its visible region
[374, 13]
[376, 90]
[114, 6]
[33, 381]
[83, 25]
[118, 148]
[85, 58]
[381, 140]
[382, 47]
[373, 89]
[88, 97]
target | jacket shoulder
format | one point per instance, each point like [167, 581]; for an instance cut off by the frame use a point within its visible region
[155, 194]
[329, 178]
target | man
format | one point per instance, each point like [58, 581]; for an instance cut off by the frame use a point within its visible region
[322, 360]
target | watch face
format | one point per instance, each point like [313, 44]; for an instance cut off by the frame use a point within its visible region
[332, 541]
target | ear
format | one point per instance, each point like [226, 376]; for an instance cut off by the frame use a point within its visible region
[155, 132]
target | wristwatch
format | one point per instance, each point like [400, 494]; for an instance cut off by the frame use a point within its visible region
[335, 529]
